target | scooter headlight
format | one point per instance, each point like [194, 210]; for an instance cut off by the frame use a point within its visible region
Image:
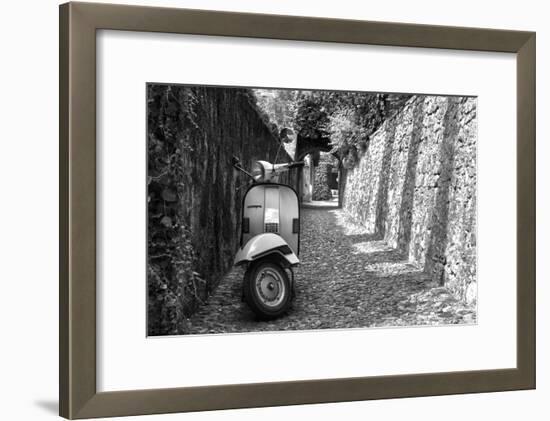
[258, 171]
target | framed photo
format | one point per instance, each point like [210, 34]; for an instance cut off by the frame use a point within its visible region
[262, 210]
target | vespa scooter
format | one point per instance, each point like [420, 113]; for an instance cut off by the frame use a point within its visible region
[270, 239]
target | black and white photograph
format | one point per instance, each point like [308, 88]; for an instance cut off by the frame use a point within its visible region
[289, 209]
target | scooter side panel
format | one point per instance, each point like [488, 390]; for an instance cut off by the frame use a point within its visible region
[289, 210]
[254, 204]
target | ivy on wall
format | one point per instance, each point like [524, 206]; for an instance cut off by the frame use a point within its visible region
[174, 287]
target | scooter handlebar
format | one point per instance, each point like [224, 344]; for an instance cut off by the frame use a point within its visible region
[296, 164]
[278, 168]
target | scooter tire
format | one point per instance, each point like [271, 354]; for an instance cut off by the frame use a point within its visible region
[252, 291]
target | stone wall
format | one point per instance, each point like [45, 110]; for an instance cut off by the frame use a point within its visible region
[415, 188]
[193, 190]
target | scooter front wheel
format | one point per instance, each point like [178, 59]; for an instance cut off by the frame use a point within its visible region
[267, 289]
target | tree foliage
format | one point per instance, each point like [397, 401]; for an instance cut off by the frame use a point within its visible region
[312, 115]
[347, 118]
[280, 105]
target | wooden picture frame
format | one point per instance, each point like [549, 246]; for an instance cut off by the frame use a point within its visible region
[78, 25]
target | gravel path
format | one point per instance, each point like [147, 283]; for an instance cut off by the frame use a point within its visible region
[345, 280]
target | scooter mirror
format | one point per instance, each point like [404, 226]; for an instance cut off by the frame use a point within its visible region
[235, 161]
[287, 135]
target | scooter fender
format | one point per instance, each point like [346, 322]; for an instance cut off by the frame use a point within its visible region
[263, 245]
